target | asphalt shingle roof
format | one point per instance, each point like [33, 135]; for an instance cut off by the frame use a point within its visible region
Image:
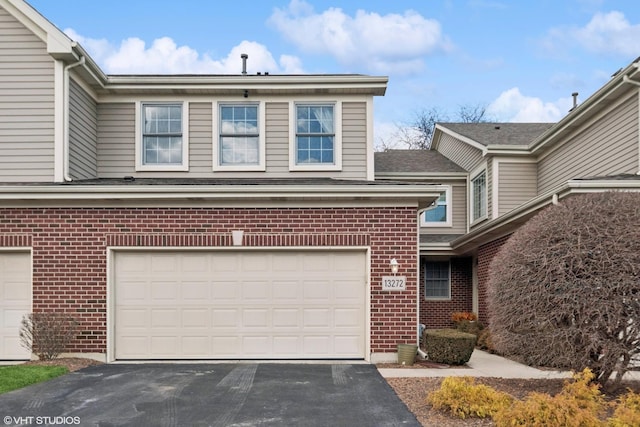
[413, 161]
[499, 133]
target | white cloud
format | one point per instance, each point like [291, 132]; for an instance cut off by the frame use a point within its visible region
[606, 33]
[164, 56]
[379, 43]
[513, 106]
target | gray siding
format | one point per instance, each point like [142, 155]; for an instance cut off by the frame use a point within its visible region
[517, 184]
[116, 143]
[466, 156]
[116, 140]
[83, 134]
[608, 145]
[458, 212]
[490, 166]
[26, 105]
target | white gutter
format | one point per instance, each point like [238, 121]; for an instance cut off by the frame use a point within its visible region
[65, 118]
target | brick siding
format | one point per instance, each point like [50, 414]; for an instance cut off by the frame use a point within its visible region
[437, 314]
[486, 253]
[70, 253]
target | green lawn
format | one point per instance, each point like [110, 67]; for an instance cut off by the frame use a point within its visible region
[18, 376]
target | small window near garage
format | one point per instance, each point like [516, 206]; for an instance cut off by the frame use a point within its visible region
[437, 280]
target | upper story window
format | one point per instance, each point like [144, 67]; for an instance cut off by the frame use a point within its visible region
[240, 137]
[437, 280]
[317, 137]
[439, 213]
[161, 139]
[479, 196]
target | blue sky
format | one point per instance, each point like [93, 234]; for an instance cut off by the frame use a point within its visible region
[522, 59]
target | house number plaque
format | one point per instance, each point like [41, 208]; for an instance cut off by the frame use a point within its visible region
[394, 283]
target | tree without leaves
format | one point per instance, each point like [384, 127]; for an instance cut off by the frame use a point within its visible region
[564, 291]
[418, 133]
[47, 334]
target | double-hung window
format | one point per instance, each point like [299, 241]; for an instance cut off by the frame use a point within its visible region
[439, 213]
[240, 137]
[317, 137]
[479, 196]
[437, 280]
[162, 140]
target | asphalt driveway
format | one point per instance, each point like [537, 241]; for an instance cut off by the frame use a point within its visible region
[229, 394]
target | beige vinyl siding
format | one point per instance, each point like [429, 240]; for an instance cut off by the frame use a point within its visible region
[26, 105]
[116, 140]
[608, 145]
[517, 184]
[200, 139]
[116, 143]
[277, 138]
[458, 212]
[83, 133]
[466, 156]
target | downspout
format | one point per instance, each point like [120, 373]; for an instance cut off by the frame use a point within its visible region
[65, 119]
[421, 353]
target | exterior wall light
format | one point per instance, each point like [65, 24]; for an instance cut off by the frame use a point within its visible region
[394, 266]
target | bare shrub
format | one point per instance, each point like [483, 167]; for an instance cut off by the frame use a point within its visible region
[564, 291]
[47, 334]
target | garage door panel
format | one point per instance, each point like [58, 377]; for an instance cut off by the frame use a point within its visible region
[15, 302]
[240, 305]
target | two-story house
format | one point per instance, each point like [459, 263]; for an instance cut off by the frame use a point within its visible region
[197, 216]
[498, 175]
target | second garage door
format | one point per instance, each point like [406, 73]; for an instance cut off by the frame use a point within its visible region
[240, 304]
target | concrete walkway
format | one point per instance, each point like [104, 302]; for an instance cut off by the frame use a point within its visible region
[481, 364]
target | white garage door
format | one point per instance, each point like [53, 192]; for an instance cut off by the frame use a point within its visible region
[245, 305]
[15, 302]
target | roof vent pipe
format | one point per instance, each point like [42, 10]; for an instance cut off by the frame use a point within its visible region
[244, 57]
[575, 100]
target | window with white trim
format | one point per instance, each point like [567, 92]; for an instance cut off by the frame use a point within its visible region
[316, 132]
[439, 213]
[479, 196]
[161, 141]
[437, 280]
[239, 140]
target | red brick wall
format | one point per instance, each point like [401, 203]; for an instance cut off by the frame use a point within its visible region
[486, 253]
[437, 314]
[70, 246]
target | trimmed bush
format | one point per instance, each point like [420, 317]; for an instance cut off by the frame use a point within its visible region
[469, 326]
[464, 398]
[449, 346]
[579, 404]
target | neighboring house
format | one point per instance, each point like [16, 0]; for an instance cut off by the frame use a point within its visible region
[197, 217]
[499, 175]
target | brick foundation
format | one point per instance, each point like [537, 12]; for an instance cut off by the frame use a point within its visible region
[70, 253]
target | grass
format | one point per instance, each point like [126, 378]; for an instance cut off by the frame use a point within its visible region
[18, 376]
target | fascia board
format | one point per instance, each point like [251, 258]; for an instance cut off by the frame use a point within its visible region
[421, 194]
[58, 44]
[436, 176]
[570, 120]
[465, 139]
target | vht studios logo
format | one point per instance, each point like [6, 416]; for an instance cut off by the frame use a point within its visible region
[39, 421]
